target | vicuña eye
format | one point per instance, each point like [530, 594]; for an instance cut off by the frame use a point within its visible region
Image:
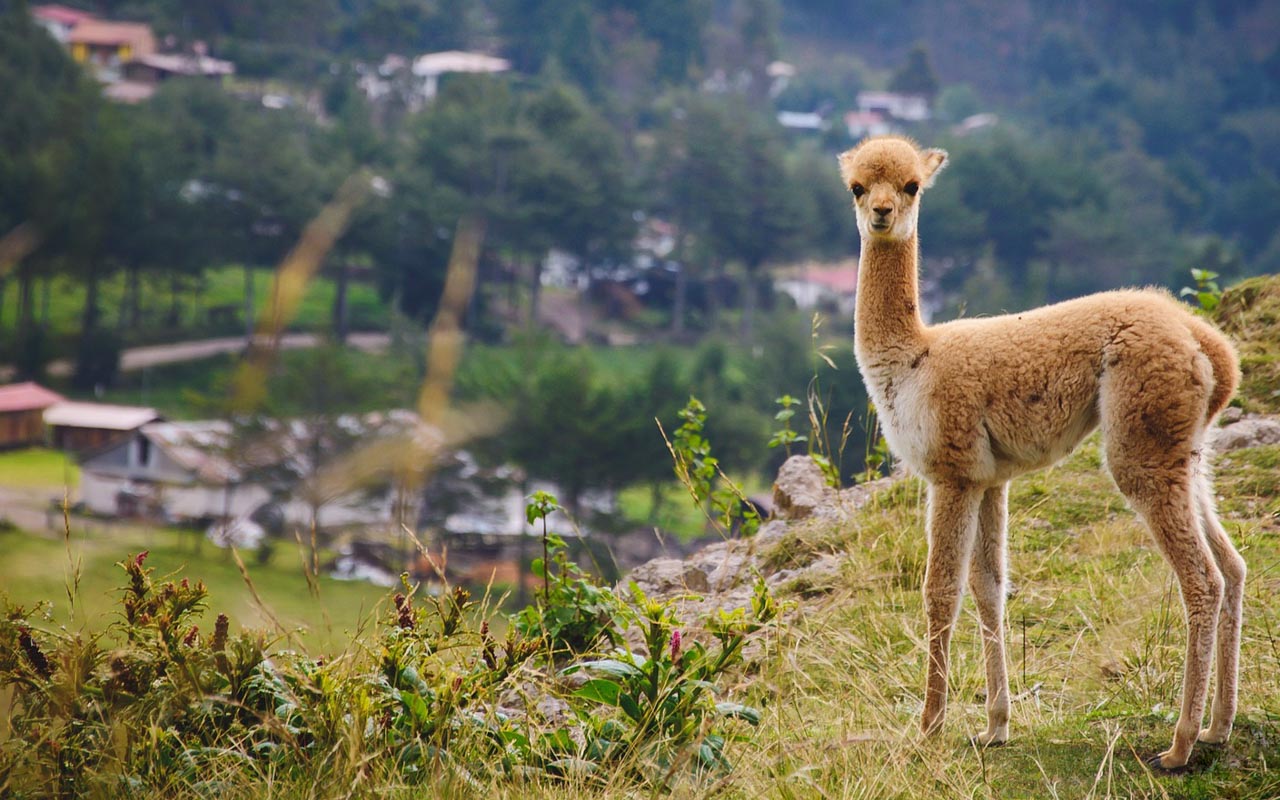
[858, 190]
[911, 188]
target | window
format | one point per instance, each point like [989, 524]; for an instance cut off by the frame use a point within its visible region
[144, 451]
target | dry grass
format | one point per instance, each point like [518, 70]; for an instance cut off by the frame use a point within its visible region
[1095, 653]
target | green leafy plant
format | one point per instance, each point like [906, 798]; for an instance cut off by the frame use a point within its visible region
[878, 455]
[1206, 292]
[576, 613]
[786, 436]
[699, 470]
[667, 699]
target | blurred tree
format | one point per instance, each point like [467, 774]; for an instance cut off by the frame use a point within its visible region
[916, 76]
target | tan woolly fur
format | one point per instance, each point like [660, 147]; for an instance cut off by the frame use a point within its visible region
[970, 404]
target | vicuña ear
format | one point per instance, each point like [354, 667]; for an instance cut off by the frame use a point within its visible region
[846, 166]
[934, 160]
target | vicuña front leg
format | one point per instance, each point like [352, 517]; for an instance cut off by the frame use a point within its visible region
[987, 583]
[953, 518]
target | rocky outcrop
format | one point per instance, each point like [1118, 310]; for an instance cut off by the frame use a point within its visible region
[723, 574]
[1244, 430]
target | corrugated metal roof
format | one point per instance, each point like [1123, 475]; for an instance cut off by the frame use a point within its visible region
[27, 396]
[99, 416]
[60, 14]
[458, 61]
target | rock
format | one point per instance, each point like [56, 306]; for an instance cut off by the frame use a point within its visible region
[726, 564]
[801, 489]
[1247, 432]
[665, 577]
[819, 577]
[770, 534]
[856, 497]
[1229, 415]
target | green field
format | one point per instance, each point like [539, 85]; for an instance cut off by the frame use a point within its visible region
[38, 570]
[38, 468]
[217, 288]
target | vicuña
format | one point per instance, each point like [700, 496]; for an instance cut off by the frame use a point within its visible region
[970, 404]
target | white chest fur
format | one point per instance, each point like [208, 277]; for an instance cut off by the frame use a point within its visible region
[900, 395]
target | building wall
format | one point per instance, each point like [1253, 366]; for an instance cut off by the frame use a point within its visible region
[78, 440]
[138, 458]
[99, 492]
[21, 428]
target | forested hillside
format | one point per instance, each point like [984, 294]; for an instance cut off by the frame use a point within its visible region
[1093, 145]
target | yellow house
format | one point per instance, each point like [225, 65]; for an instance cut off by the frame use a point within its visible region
[107, 44]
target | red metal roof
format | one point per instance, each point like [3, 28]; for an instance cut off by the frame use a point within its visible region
[27, 397]
[61, 14]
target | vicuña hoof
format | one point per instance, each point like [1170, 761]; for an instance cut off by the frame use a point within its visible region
[989, 740]
[1158, 764]
[1209, 737]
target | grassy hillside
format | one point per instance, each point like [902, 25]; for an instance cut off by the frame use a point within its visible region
[1095, 657]
[1250, 312]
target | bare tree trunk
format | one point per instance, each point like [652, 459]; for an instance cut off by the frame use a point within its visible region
[248, 306]
[712, 293]
[45, 299]
[535, 291]
[748, 290]
[23, 325]
[681, 299]
[341, 321]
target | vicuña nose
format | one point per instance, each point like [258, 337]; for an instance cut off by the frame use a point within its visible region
[882, 211]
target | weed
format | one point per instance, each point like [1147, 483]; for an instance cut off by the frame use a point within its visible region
[576, 613]
[699, 470]
[1206, 291]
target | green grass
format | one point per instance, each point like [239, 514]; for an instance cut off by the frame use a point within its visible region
[37, 468]
[1095, 653]
[1095, 637]
[37, 569]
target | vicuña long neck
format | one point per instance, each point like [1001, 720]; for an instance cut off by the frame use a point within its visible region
[888, 320]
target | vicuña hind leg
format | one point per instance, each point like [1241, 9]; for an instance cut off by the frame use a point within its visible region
[1230, 615]
[1163, 495]
[953, 519]
[987, 583]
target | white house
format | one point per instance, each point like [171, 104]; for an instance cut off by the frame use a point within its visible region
[908, 107]
[429, 67]
[169, 470]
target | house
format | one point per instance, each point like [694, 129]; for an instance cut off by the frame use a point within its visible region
[78, 427]
[199, 472]
[22, 408]
[155, 68]
[167, 470]
[810, 121]
[141, 76]
[430, 67]
[907, 107]
[861, 124]
[107, 46]
[58, 20]
[832, 287]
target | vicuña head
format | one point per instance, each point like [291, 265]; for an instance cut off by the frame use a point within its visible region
[887, 175]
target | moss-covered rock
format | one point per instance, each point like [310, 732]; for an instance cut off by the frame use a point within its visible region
[1250, 313]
